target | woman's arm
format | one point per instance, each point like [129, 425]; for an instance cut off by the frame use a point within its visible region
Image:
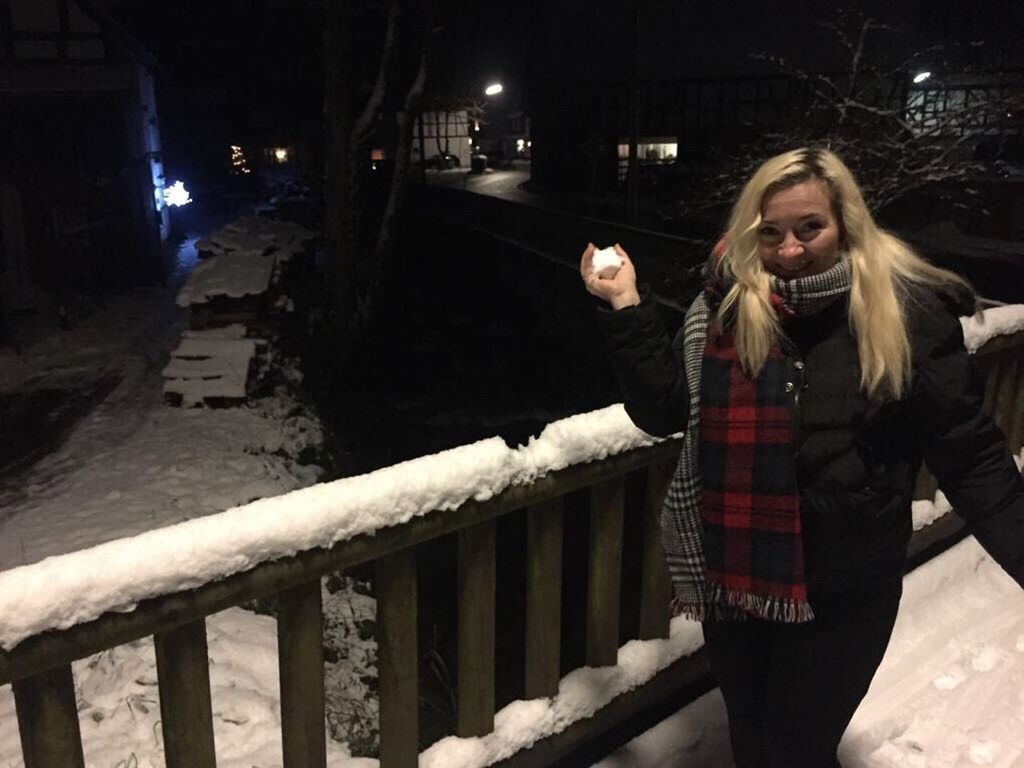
[649, 372]
[965, 451]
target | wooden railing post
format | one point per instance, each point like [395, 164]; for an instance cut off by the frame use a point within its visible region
[48, 720]
[397, 659]
[300, 650]
[604, 584]
[655, 585]
[476, 629]
[544, 597]
[186, 715]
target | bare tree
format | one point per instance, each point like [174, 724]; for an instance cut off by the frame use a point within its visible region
[899, 137]
[355, 277]
[384, 248]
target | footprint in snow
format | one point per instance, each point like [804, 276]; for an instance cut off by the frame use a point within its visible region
[951, 679]
[983, 753]
[985, 658]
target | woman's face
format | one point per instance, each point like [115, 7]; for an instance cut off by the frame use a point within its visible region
[799, 234]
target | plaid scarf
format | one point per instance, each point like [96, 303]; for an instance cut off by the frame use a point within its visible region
[731, 518]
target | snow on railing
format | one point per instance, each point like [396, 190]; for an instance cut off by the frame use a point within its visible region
[995, 321]
[65, 590]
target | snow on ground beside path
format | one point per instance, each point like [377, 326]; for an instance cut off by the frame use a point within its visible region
[136, 464]
[949, 693]
[96, 344]
[119, 706]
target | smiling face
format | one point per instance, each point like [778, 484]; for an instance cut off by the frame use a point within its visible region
[799, 234]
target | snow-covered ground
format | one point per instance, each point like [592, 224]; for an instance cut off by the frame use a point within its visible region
[134, 464]
[949, 693]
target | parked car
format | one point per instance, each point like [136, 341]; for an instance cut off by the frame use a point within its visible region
[443, 161]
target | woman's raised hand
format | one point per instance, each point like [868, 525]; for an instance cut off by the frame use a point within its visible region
[619, 291]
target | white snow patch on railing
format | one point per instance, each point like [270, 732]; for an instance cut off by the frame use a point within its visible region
[995, 321]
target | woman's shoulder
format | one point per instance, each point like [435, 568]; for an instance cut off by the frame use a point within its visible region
[933, 313]
[928, 304]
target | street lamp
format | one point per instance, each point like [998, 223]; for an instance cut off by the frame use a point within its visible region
[920, 77]
[493, 89]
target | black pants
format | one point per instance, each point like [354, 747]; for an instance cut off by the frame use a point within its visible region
[791, 689]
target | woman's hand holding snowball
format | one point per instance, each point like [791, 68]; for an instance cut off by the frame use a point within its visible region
[618, 288]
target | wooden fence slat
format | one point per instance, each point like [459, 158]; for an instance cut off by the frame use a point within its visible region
[477, 551]
[655, 585]
[544, 527]
[397, 659]
[48, 720]
[605, 571]
[300, 647]
[186, 716]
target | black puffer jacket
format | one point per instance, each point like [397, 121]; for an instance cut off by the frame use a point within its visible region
[856, 461]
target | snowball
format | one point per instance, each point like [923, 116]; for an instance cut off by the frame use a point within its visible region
[606, 263]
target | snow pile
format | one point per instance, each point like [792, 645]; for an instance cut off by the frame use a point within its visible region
[209, 367]
[233, 275]
[62, 591]
[576, 440]
[257, 234]
[247, 252]
[995, 321]
[581, 693]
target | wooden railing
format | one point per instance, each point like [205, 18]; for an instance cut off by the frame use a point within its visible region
[40, 666]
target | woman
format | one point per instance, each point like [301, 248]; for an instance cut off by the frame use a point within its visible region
[823, 360]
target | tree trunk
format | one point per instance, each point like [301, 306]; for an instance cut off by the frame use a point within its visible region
[362, 129]
[385, 247]
[340, 257]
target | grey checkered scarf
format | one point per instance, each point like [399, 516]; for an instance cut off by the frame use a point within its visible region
[682, 525]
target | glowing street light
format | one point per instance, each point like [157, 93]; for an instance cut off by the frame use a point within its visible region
[493, 89]
[920, 77]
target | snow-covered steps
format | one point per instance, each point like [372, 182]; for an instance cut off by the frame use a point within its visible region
[211, 366]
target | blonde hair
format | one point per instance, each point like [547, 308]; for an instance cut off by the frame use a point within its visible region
[883, 268]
